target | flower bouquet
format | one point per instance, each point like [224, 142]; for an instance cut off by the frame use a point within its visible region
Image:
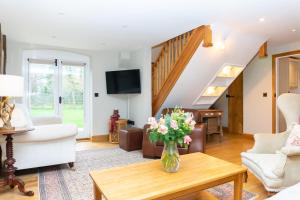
[172, 129]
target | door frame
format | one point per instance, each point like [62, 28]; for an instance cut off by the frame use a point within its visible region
[275, 58]
[68, 56]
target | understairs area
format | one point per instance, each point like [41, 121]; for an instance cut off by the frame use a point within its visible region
[194, 69]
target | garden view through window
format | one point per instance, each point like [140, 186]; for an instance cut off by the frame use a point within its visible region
[57, 90]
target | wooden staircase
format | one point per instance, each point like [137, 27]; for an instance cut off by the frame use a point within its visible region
[172, 60]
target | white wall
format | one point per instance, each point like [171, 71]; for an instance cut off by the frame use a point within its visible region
[140, 104]
[100, 61]
[258, 79]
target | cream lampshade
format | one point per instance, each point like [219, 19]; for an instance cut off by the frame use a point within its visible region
[10, 86]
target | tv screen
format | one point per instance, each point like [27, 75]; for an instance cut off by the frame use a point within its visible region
[123, 82]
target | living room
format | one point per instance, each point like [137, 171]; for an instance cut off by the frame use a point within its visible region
[131, 100]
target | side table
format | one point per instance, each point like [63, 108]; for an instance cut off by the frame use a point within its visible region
[114, 136]
[9, 170]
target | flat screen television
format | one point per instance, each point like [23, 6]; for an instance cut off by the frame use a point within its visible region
[123, 82]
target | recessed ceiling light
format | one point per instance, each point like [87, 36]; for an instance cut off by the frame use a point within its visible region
[53, 36]
[124, 26]
[261, 19]
[294, 30]
[103, 44]
[61, 13]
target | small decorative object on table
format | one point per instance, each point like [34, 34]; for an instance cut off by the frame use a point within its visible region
[10, 86]
[173, 130]
[113, 137]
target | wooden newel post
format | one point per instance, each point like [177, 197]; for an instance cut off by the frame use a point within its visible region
[207, 40]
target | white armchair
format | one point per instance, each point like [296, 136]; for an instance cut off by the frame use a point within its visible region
[273, 168]
[50, 143]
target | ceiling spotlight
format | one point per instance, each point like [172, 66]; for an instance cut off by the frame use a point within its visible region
[261, 19]
[294, 30]
[220, 44]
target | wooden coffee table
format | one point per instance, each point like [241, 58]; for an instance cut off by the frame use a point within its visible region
[147, 180]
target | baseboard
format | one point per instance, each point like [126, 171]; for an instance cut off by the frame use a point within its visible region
[83, 139]
[99, 138]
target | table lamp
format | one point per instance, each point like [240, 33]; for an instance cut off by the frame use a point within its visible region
[10, 86]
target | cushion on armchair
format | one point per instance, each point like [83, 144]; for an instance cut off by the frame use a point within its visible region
[292, 145]
[20, 117]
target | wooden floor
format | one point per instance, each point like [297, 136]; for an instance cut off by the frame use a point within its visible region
[229, 150]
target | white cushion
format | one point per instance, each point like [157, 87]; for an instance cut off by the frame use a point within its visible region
[292, 145]
[290, 193]
[46, 120]
[20, 117]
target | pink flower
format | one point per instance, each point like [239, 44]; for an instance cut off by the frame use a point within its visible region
[187, 139]
[163, 129]
[152, 122]
[174, 124]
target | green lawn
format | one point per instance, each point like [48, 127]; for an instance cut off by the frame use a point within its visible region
[71, 114]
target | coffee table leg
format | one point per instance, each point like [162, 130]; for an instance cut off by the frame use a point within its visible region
[238, 187]
[97, 193]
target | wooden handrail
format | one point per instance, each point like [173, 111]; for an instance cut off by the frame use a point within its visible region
[174, 56]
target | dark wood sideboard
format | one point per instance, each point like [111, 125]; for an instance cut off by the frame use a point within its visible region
[213, 120]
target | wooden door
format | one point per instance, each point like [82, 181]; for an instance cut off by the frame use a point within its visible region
[235, 106]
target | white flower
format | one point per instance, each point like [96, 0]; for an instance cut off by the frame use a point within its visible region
[174, 124]
[152, 122]
[192, 124]
[188, 120]
[163, 129]
[162, 121]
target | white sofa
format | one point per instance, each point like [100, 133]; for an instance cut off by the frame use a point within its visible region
[273, 168]
[50, 143]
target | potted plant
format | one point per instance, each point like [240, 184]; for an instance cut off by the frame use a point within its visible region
[171, 129]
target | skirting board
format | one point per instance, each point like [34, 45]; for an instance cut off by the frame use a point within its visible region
[100, 138]
[246, 135]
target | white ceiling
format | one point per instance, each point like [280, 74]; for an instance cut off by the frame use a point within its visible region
[131, 24]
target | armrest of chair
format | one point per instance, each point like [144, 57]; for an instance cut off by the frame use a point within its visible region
[147, 147]
[268, 143]
[38, 121]
[198, 139]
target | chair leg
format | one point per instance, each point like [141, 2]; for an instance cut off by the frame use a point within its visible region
[269, 194]
[71, 164]
[246, 177]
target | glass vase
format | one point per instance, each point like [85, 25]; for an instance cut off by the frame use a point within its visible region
[170, 157]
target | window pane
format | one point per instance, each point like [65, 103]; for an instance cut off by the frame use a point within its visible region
[41, 87]
[73, 91]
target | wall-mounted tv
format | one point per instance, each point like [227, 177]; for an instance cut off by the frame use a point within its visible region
[123, 82]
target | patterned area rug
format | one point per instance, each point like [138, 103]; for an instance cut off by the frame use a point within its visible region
[62, 183]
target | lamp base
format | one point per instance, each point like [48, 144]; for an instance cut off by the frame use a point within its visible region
[6, 111]
[7, 129]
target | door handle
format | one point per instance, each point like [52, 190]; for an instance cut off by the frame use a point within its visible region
[59, 100]
[229, 96]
